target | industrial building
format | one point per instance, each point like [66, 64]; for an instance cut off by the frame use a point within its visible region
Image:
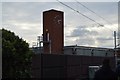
[54, 60]
[81, 50]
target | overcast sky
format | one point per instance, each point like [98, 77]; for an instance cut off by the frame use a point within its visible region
[25, 19]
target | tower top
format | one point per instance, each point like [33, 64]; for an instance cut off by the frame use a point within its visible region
[52, 10]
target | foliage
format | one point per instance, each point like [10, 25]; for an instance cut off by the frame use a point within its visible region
[16, 56]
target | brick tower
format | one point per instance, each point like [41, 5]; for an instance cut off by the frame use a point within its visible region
[53, 31]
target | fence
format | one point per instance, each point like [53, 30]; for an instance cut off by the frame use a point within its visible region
[65, 66]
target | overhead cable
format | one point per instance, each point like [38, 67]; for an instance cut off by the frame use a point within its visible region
[80, 13]
[95, 13]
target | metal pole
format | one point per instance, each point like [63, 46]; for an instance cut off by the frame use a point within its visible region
[115, 47]
[115, 39]
[40, 47]
[50, 46]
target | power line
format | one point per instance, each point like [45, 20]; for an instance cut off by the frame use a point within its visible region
[83, 14]
[94, 13]
[80, 13]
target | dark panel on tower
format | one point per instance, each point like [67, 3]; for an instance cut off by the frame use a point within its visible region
[53, 31]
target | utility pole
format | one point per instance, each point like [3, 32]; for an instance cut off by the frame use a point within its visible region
[115, 47]
[38, 39]
[115, 39]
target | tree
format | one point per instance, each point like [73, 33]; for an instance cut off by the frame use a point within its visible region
[16, 56]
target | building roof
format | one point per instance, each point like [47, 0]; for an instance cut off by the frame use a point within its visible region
[87, 47]
[52, 10]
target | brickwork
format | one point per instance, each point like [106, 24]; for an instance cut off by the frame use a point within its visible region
[53, 24]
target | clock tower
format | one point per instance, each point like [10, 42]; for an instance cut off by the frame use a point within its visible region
[53, 32]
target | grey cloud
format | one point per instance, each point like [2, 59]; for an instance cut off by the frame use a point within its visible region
[82, 32]
[102, 7]
[23, 32]
[25, 11]
[84, 36]
[85, 41]
[105, 40]
[18, 12]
